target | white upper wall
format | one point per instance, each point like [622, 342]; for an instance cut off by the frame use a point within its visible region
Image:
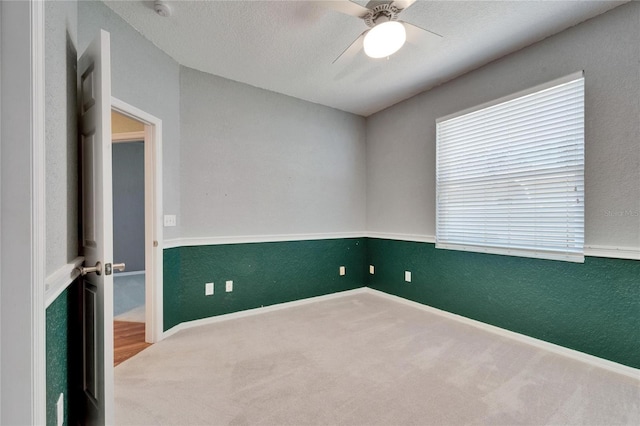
[255, 162]
[401, 140]
[147, 78]
[61, 39]
[286, 166]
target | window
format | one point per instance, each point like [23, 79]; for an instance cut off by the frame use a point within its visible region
[510, 175]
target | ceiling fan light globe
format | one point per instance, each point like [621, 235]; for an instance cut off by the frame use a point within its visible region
[384, 39]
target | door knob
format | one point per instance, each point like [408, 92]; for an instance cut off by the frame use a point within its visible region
[119, 266]
[87, 270]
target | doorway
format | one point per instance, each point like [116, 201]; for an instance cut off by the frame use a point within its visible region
[136, 165]
[128, 236]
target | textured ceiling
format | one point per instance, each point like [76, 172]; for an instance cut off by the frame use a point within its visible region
[289, 46]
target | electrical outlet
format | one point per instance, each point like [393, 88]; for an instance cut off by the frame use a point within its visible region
[60, 410]
[372, 269]
[229, 286]
[407, 276]
[169, 220]
[208, 289]
[343, 270]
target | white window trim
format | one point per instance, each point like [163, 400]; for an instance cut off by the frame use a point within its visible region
[525, 92]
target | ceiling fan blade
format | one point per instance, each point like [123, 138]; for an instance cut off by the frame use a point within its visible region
[347, 7]
[415, 33]
[352, 50]
[402, 4]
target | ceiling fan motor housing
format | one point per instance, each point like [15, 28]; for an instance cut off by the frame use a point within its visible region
[381, 13]
[162, 8]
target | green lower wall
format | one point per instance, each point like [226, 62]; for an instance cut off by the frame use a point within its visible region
[62, 362]
[263, 274]
[592, 307]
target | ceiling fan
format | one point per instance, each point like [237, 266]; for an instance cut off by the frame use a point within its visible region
[386, 34]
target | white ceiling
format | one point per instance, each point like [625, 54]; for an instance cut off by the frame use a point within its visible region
[289, 46]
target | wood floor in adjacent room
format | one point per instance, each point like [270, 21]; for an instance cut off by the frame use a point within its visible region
[363, 359]
[128, 340]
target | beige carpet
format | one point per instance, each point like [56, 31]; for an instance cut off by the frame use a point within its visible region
[362, 360]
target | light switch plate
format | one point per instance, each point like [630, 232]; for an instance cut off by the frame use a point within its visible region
[407, 276]
[169, 220]
[343, 270]
[208, 289]
[372, 269]
[229, 286]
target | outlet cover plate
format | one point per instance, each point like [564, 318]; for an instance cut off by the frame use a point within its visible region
[372, 269]
[343, 270]
[407, 276]
[208, 289]
[229, 286]
[169, 220]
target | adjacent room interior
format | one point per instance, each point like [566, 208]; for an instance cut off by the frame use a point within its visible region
[302, 278]
[128, 236]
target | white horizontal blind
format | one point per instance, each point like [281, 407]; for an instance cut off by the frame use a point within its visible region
[510, 177]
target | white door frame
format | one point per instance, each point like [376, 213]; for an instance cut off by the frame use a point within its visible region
[152, 216]
[22, 279]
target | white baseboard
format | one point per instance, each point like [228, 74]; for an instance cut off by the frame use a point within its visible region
[402, 237]
[57, 282]
[592, 360]
[595, 361]
[259, 311]
[589, 250]
[244, 239]
[612, 252]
